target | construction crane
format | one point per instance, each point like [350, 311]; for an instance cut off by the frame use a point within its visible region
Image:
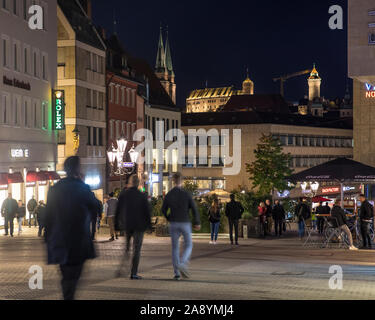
[282, 79]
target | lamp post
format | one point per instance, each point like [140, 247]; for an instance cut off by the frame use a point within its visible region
[314, 187]
[116, 159]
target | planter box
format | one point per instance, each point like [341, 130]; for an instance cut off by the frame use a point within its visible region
[252, 227]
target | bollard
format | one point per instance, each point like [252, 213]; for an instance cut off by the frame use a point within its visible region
[244, 229]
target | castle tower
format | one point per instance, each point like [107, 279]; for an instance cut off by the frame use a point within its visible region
[164, 67]
[314, 82]
[248, 86]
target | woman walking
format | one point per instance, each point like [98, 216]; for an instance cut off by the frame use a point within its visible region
[214, 218]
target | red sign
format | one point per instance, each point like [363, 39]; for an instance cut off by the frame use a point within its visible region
[331, 190]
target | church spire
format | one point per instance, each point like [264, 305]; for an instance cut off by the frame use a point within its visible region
[160, 58]
[168, 56]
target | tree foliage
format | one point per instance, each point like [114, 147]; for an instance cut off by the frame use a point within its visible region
[270, 168]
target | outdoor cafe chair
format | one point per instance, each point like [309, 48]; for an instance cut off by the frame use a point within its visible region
[309, 239]
[333, 231]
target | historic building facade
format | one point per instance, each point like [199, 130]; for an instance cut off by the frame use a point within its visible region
[28, 77]
[212, 99]
[81, 75]
[126, 103]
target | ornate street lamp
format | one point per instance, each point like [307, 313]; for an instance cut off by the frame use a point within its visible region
[314, 187]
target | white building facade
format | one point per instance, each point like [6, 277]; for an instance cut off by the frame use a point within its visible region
[27, 77]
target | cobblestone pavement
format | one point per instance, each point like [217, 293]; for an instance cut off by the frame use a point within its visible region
[257, 269]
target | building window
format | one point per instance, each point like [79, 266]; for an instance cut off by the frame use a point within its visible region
[6, 53]
[100, 137]
[291, 140]
[15, 7]
[15, 57]
[94, 136]
[283, 140]
[35, 64]
[312, 142]
[318, 142]
[111, 131]
[298, 141]
[35, 115]
[5, 110]
[44, 115]
[305, 142]
[89, 136]
[94, 99]
[44, 67]
[88, 98]
[25, 9]
[4, 4]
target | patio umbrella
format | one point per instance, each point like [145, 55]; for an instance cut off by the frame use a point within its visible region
[341, 170]
[320, 199]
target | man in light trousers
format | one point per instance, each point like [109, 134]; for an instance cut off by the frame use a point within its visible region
[180, 202]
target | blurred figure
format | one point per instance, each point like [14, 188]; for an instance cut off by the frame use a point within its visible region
[70, 208]
[180, 203]
[40, 213]
[214, 218]
[327, 209]
[21, 213]
[9, 210]
[366, 214]
[111, 213]
[31, 207]
[95, 220]
[278, 215]
[303, 213]
[103, 212]
[269, 216]
[234, 212]
[133, 215]
[320, 220]
[262, 219]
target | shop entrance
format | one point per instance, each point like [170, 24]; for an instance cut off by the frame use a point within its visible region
[3, 196]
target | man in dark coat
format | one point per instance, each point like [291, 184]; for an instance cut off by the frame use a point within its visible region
[269, 216]
[133, 216]
[278, 215]
[319, 211]
[40, 213]
[366, 214]
[233, 211]
[9, 210]
[71, 207]
[303, 213]
[31, 207]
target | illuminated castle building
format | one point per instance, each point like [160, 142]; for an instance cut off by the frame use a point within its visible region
[213, 99]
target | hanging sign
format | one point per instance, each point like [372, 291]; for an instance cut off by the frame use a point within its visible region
[58, 110]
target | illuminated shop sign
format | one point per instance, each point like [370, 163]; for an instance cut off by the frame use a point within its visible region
[93, 181]
[370, 90]
[337, 189]
[58, 110]
[19, 153]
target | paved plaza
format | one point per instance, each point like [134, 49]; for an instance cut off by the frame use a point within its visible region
[257, 269]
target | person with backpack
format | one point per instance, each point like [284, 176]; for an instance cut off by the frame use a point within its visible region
[303, 213]
[214, 218]
[234, 212]
[366, 214]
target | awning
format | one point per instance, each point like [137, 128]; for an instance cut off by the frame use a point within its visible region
[3, 179]
[33, 176]
[15, 177]
[52, 175]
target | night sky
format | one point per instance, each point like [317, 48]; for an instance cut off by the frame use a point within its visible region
[216, 41]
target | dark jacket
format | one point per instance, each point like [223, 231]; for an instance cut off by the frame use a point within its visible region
[21, 213]
[214, 215]
[71, 206]
[32, 205]
[180, 202]
[41, 214]
[133, 211]
[302, 211]
[339, 214]
[278, 212]
[268, 211]
[366, 211]
[9, 208]
[321, 210]
[327, 209]
[234, 210]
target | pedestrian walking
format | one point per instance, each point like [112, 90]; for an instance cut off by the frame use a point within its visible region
[133, 215]
[21, 213]
[320, 210]
[339, 215]
[95, 219]
[303, 213]
[262, 219]
[366, 214]
[9, 210]
[269, 216]
[180, 202]
[214, 218]
[70, 208]
[234, 212]
[40, 213]
[111, 213]
[31, 207]
[278, 215]
[103, 213]
[327, 208]
[313, 220]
